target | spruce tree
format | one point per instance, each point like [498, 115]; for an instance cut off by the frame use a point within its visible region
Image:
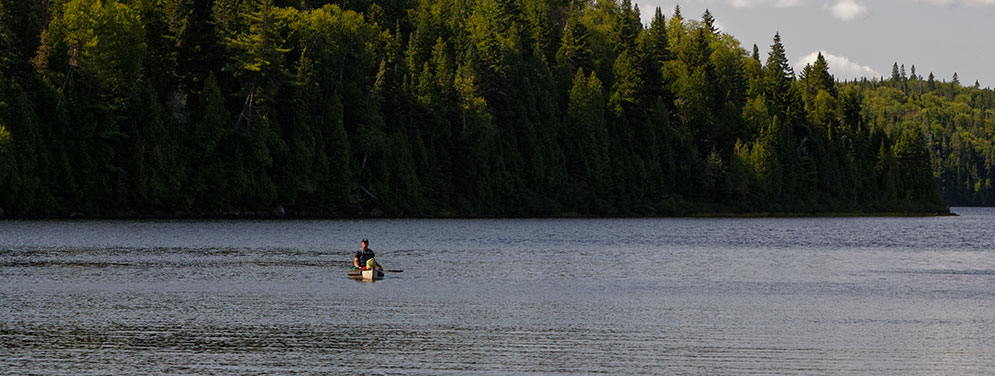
[509, 107]
[574, 48]
[656, 36]
[815, 78]
[778, 78]
[708, 22]
[583, 143]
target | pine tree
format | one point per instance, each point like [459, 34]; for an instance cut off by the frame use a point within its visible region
[574, 48]
[816, 78]
[151, 172]
[584, 143]
[628, 81]
[778, 68]
[656, 36]
[913, 160]
[887, 176]
[654, 51]
[627, 26]
[425, 107]
[211, 170]
[821, 77]
[778, 77]
[708, 22]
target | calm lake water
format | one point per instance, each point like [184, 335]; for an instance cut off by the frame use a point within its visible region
[860, 296]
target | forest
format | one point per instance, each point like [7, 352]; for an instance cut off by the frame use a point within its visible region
[439, 108]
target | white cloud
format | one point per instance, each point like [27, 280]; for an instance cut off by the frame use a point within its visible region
[847, 10]
[839, 66]
[758, 3]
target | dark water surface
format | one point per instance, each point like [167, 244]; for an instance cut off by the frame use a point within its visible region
[860, 296]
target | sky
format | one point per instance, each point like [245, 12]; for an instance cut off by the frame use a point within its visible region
[861, 38]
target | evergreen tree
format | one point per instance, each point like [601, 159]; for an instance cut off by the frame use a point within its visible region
[20, 179]
[708, 22]
[151, 170]
[816, 78]
[584, 143]
[656, 39]
[21, 24]
[574, 52]
[912, 159]
[778, 79]
[210, 178]
[430, 107]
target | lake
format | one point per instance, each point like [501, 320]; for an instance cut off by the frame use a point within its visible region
[850, 296]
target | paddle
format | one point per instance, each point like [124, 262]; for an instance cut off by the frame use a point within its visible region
[393, 270]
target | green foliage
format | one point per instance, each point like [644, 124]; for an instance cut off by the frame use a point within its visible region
[585, 142]
[20, 34]
[468, 108]
[211, 170]
[939, 124]
[777, 80]
[151, 171]
[658, 44]
[574, 50]
[815, 78]
[104, 39]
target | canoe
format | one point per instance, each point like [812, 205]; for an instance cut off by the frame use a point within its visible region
[366, 275]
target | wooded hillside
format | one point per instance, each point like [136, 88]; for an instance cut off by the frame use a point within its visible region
[454, 108]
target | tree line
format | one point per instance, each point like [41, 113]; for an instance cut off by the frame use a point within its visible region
[959, 123]
[454, 108]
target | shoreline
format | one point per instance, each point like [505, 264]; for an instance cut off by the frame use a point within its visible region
[248, 215]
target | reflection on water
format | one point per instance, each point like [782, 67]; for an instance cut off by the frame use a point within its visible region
[863, 296]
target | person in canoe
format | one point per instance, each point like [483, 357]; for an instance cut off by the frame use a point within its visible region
[365, 258]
